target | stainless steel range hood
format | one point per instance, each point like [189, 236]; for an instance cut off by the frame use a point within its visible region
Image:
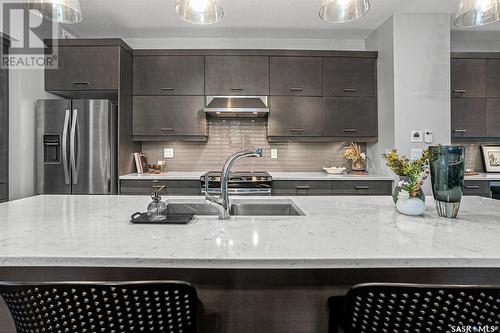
[237, 106]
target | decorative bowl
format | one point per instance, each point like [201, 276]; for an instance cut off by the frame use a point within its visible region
[335, 170]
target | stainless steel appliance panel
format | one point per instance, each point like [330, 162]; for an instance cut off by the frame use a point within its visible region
[93, 146]
[53, 121]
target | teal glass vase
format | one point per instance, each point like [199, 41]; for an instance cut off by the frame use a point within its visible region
[447, 164]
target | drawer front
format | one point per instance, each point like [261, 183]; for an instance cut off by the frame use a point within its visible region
[169, 75]
[477, 188]
[4, 192]
[291, 76]
[84, 68]
[169, 116]
[352, 187]
[349, 77]
[285, 187]
[173, 187]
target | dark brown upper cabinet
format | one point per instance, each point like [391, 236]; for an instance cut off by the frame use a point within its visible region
[493, 78]
[493, 118]
[295, 117]
[468, 78]
[161, 117]
[349, 77]
[468, 117]
[85, 68]
[169, 75]
[350, 117]
[299, 76]
[237, 75]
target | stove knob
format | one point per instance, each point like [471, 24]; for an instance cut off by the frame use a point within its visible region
[259, 178]
[212, 178]
[244, 179]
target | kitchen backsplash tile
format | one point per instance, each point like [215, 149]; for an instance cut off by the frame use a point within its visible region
[231, 135]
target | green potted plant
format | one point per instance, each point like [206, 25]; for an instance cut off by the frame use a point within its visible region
[408, 171]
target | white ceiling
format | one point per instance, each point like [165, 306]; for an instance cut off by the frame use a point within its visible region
[243, 18]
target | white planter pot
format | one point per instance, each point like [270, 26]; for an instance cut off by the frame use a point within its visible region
[411, 206]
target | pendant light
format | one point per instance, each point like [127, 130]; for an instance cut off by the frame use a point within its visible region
[199, 11]
[472, 13]
[342, 11]
[60, 11]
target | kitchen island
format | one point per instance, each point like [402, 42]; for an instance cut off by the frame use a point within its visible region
[289, 264]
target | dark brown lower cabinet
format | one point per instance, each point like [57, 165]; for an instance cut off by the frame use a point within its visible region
[162, 117]
[172, 187]
[295, 117]
[350, 117]
[479, 188]
[468, 117]
[321, 187]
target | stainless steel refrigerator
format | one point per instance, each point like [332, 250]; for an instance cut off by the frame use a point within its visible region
[76, 146]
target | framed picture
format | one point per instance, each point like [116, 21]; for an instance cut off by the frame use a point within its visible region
[491, 156]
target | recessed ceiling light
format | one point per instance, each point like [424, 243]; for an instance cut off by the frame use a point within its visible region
[342, 11]
[60, 11]
[199, 11]
[472, 13]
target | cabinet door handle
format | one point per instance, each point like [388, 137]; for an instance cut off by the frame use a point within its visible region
[237, 89]
[350, 130]
[296, 89]
[303, 187]
[460, 131]
[168, 89]
[459, 91]
[361, 187]
[351, 90]
[81, 83]
[167, 129]
[472, 187]
[296, 130]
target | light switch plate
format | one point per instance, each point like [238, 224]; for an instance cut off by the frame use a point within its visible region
[416, 153]
[428, 136]
[274, 153]
[416, 136]
[168, 152]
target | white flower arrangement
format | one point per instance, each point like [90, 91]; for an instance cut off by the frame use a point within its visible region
[403, 195]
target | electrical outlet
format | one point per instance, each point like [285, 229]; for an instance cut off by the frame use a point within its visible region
[416, 153]
[416, 136]
[428, 136]
[274, 153]
[168, 152]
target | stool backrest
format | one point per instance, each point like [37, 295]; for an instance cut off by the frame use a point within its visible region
[89, 307]
[404, 308]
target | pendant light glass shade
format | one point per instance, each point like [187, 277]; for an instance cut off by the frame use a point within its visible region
[342, 11]
[61, 11]
[473, 13]
[199, 11]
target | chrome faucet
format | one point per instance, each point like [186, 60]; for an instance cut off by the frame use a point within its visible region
[222, 202]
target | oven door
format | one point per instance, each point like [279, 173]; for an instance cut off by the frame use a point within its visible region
[240, 191]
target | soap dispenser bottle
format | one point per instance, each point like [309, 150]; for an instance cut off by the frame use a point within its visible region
[157, 209]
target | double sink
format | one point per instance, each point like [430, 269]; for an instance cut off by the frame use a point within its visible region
[255, 207]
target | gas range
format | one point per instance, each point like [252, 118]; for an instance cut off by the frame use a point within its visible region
[240, 183]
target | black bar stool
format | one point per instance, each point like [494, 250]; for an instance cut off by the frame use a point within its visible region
[91, 307]
[412, 308]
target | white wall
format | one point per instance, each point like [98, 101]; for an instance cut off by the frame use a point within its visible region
[246, 43]
[414, 82]
[475, 41]
[382, 40]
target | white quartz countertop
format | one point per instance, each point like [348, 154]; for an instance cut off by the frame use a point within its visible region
[485, 176]
[337, 232]
[195, 175]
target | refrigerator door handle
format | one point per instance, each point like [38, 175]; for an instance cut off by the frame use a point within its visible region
[74, 151]
[65, 147]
